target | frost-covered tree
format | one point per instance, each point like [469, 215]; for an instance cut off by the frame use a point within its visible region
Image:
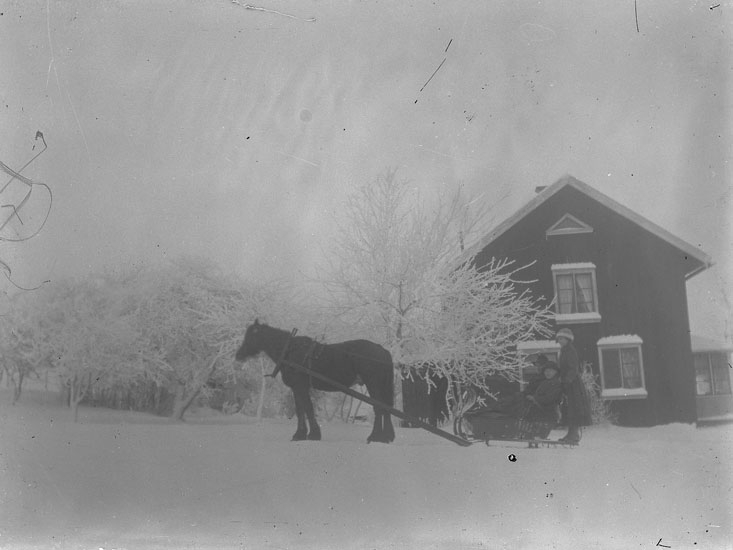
[173, 311]
[395, 273]
[24, 342]
[93, 337]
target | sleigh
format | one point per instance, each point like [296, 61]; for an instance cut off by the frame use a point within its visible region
[532, 426]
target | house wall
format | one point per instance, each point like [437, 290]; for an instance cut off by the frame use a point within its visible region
[641, 290]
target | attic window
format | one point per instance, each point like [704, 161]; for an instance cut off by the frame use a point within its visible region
[568, 225]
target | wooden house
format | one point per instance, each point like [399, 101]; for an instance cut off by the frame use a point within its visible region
[617, 280]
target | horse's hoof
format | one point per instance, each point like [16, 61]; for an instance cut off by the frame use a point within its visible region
[314, 437]
[298, 437]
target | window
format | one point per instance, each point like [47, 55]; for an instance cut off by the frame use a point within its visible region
[576, 297]
[568, 225]
[711, 374]
[622, 367]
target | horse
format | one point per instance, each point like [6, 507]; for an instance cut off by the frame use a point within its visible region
[343, 362]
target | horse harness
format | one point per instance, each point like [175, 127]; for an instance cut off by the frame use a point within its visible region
[309, 356]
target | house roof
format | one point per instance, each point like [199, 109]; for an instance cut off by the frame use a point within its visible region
[569, 181]
[702, 344]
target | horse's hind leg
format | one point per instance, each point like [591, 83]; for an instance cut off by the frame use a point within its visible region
[387, 428]
[302, 432]
[376, 434]
[383, 431]
[386, 396]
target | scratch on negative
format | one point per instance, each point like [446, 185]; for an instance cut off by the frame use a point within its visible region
[437, 152]
[257, 8]
[298, 158]
[432, 75]
[51, 63]
[83, 135]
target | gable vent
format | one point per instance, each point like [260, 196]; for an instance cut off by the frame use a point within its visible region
[568, 225]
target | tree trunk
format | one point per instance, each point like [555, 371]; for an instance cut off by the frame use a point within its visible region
[18, 387]
[74, 399]
[79, 387]
[182, 402]
[263, 387]
[356, 412]
[397, 374]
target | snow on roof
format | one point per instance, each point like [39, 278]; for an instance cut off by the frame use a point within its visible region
[577, 265]
[701, 343]
[620, 339]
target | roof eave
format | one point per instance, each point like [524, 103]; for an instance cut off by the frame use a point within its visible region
[699, 269]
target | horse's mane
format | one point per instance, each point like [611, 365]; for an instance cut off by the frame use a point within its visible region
[283, 332]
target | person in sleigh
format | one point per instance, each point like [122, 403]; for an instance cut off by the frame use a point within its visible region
[541, 400]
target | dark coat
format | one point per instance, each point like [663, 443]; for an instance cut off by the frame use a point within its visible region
[548, 392]
[578, 412]
[542, 404]
[545, 400]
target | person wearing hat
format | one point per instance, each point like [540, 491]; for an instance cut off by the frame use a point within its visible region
[546, 396]
[578, 405]
[539, 362]
[540, 402]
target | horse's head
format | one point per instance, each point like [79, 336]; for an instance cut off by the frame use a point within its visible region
[252, 344]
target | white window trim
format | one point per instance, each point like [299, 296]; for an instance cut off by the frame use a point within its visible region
[619, 342]
[575, 318]
[529, 347]
[582, 227]
[624, 393]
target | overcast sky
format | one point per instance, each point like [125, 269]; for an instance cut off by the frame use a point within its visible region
[210, 128]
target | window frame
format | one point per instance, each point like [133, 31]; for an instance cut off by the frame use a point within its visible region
[712, 381]
[582, 268]
[618, 343]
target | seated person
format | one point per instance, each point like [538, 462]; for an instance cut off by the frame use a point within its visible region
[539, 363]
[542, 403]
[546, 398]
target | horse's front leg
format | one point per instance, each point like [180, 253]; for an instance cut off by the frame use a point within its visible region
[302, 432]
[315, 430]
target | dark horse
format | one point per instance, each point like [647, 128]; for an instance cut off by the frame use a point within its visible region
[345, 363]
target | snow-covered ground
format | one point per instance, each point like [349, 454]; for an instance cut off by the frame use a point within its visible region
[127, 480]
